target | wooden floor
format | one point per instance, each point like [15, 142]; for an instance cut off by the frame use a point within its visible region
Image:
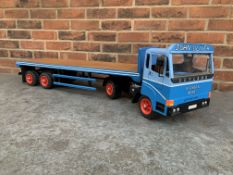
[89, 64]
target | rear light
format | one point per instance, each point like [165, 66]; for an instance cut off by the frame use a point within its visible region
[169, 103]
[209, 95]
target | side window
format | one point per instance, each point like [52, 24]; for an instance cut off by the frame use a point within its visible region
[147, 60]
[159, 65]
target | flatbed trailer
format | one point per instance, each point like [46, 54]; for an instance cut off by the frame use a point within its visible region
[89, 67]
[156, 81]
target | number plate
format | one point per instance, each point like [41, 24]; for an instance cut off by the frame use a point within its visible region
[192, 106]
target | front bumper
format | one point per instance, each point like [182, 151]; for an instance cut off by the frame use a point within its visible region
[187, 107]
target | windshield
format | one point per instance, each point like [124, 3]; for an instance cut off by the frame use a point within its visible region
[191, 64]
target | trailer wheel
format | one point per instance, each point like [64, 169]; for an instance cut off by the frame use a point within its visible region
[46, 80]
[31, 78]
[112, 89]
[146, 108]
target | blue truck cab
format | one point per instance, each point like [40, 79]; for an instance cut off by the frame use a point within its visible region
[177, 79]
[165, 81]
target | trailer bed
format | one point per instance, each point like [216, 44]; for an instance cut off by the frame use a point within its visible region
[90, 64]
[107, 68]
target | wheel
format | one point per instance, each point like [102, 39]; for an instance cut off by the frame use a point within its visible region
[112, 89]
[46, 80]
[146, 108]
[31, 78]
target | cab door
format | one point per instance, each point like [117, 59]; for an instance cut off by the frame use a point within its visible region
[157, 69]
[146, 70]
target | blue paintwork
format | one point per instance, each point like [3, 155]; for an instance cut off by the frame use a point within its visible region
[135, 76]
[159, 89]
[141, 59]
[156, 88]
[74, 78]
[74, 86]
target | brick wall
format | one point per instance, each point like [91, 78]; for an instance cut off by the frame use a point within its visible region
[113, 30]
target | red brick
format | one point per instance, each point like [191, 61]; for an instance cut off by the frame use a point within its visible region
[168, 37]
[102, 57]
[186, 25]
[56, 24]
[3, 53]
[19, 34]
[134, 13]
[136, 47]
[1, 13]
[32, 45]
[217, 63]
[58, 45]
[43, 13]
[73, 56]
[215, 86]
[149, 25]
[102, 36]
[84, 3]
[169, 12]
[8, 3]
[128, 59]
[101, 13]
[230, 39]
[15, 70]
[85, 25]
[7, 62]
[45, 54]
[225, 87]
[5, 70]
[209, 12]
[71, 13]
[54, 3]
[19, 13]
[133, 37]
[3, 34]
[117, 2]
[87, 47]
[224, 25]
[116, 25]
[228, 63]
[152, 2]
[117, 48]
[28, 3]
[44, 35]
[224, 51]
[20, 54]
[6, 24]
[71, 35]
[190, 2]
[9, 44]
[224, 75]
[216, 38]
[29, 24]
[222, 2]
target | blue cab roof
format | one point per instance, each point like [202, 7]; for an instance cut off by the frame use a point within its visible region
[182, 48]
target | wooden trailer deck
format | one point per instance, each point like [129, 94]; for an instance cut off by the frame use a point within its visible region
[86, 64]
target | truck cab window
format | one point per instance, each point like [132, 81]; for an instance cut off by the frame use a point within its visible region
[159, 65]
[147, 60]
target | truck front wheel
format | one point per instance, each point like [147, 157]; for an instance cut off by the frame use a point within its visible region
[31, 78]
[145, 106]
[112, 89]
[46, 80]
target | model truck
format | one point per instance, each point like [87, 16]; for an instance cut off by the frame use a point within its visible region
[165, 81]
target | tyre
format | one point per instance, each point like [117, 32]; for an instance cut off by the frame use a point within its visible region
[46, 80]
[112, 89]
[146, 108]
[31, 78]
